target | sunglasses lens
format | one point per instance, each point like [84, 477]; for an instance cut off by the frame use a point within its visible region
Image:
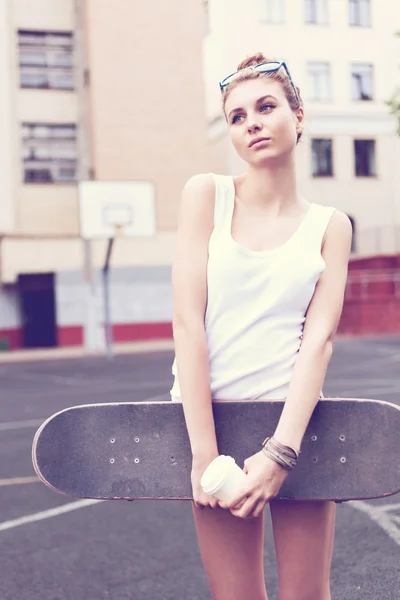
[272, 66]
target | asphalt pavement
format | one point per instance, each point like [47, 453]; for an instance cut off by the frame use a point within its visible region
[57, 548]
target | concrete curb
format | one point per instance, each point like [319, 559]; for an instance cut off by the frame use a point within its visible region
[44, 354]
[140, 347]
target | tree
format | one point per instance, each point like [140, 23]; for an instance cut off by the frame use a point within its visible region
[394, 101]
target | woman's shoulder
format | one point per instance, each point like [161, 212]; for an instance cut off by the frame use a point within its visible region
[197, 200]
[200, 182]
[338, 229]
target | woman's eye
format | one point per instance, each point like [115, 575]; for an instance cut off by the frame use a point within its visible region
[267, 106]
[263, 108]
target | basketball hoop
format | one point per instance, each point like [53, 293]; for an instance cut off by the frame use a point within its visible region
[118, 217]
[118, 230]
[109, 211]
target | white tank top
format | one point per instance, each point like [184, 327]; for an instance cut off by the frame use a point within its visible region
[256, 304]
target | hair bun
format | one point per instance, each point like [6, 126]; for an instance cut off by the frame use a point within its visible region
[252, 61]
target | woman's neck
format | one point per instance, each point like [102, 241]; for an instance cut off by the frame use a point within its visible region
[273, 188]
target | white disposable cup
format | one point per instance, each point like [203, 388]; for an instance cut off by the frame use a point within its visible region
[223, 478]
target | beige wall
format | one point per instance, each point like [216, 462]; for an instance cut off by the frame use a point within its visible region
[41, 209]
[147, 98]
[7, 120]
[145, 121]
[29, 255]
[57, 15]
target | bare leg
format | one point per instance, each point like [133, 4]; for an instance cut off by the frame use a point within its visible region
[304, 538]
[232, 550]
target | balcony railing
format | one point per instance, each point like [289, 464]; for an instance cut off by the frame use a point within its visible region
[373, 284]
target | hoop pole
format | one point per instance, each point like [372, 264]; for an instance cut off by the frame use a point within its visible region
[106, 296]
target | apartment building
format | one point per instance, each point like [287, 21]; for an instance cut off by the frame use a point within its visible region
[345, 57]
[103, 91]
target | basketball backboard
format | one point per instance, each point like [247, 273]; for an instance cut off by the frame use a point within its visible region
[111, 208]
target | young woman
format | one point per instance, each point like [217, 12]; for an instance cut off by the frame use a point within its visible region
[258, 281]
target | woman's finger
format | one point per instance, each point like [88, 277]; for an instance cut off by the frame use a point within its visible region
[245, 509]
[258, 509]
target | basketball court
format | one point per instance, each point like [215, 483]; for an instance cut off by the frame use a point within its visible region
[58, 548]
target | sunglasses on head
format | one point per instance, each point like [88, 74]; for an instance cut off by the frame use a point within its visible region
[266, 67]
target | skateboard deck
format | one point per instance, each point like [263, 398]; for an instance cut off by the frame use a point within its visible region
[141, 450]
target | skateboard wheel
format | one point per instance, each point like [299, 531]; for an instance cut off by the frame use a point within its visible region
[343, 459]
[137, 439]
[112, 460]
[136, 461]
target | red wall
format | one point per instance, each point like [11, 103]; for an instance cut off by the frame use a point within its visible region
[375, 310]
[121, 332]
[73, 335]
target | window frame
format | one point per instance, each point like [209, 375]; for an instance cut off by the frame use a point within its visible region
[53, 68]
[371, 76]
[318, 10]
[314, 141]
[357, 5]
[264, 10]
[373, 145]
[43, 153]
[328, 73]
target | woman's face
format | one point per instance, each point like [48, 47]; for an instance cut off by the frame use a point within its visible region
[258, 108]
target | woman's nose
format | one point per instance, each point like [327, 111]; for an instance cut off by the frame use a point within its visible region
[254, 125]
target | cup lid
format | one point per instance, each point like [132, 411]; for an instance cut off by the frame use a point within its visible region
[215, 474]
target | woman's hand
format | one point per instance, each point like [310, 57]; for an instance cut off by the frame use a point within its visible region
[263, 482]
[200, 499]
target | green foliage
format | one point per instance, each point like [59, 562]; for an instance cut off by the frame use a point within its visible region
[394, 105]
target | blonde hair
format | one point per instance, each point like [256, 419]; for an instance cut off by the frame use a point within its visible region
[279, 75]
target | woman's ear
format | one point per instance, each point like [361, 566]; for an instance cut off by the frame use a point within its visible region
[300, 120]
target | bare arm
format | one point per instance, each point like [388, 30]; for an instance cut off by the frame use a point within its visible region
[322, 320]
[189, 286]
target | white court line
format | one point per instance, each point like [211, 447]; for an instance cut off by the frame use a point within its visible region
[47, 514]
[19, 480]
[21, 424]
[377, 515]
[388, 507]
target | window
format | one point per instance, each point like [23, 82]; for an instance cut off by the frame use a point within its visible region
[360, 13]
[364, 152]
[49, 153]
[319, 87]
[322, 158]
[316, 11]
[361, 76]
[46, 60]
[272, 11]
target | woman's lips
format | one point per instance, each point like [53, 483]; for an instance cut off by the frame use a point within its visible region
[259, 142]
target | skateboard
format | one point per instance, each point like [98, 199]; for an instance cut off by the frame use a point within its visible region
[141, 450]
